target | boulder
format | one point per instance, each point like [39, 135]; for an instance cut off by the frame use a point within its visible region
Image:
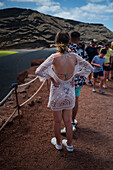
[21, 77]
[37, 62]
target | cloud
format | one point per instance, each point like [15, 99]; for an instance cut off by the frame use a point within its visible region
[96, 0]
[39, 2]
[46, 9]
[24, 0]
[1, 4]
[96, 8]
[46, 2]
[48, 6]
[89, 12]
[92, 11]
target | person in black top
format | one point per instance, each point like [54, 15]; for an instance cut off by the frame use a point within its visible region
[91, 51]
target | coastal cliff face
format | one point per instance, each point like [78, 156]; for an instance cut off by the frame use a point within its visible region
[25, 28]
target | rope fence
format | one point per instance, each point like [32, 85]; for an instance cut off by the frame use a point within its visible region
[28, 82]
[2, 102]
[14, 87]
[11, 91]
[33, 94]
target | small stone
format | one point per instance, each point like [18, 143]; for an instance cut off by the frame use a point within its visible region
[31, 104]
[39, 100]
[24, 96]
[28, 86]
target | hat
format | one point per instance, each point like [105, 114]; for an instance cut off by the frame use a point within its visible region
[100, 46]
[92, 41]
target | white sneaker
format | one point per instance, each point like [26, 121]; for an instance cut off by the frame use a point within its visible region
[75, 121]
[73, 126]
[69, 148]
[93, 90]
[53, 141]
[104, 86]
[63, 130]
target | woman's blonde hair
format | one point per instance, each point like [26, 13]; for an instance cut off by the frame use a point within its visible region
[62, 41]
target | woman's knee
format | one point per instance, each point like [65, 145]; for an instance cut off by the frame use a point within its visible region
[57, 122]
[67, 123]
[57, 117]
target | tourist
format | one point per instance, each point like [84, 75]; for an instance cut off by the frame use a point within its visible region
[112, 61]
[98, 62]
[62, 67]
[79, 81]
[107, 64]
[91, 51]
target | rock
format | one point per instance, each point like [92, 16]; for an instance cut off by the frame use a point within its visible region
[26, 80]
[16, 115]
[37, 62]
[27, 87]
[38, 30]
[4, 117]
[24, 96]
[10, 102]
[39, 100]
[21, 77]
[1, 121]
[31, 76]
[22, 90]
[32, 103]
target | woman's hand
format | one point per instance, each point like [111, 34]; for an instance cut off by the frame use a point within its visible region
[77, 75]
[56, 84]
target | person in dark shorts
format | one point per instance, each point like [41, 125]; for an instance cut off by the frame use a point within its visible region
[112, 61]
[91, 51]
[98, 62]
[79, 81]
[107, 64]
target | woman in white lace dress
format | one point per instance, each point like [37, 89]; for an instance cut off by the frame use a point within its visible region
[62, 67]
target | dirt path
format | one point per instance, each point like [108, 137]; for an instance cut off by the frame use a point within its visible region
[27, 146]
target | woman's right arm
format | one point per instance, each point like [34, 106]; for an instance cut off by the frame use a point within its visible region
[86, 67]
[43, 70]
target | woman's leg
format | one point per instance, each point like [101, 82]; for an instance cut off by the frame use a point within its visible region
[57, 125]
[67, 121]
[75, 109]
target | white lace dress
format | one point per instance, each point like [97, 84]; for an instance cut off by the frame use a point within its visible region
[62, 96]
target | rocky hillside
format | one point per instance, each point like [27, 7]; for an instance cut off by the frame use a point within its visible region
[25, 28]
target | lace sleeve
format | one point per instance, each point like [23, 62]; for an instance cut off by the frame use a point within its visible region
[43, 71]
[85, 67]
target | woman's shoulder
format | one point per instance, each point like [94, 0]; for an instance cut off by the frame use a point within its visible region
[73, 53]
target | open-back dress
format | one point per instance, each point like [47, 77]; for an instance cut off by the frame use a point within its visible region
[62, 95]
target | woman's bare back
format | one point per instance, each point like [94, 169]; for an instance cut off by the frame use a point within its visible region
[63, 65]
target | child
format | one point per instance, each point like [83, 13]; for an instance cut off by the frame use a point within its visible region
[98, 62]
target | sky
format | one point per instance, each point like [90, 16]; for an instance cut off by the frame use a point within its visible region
[88, 11]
